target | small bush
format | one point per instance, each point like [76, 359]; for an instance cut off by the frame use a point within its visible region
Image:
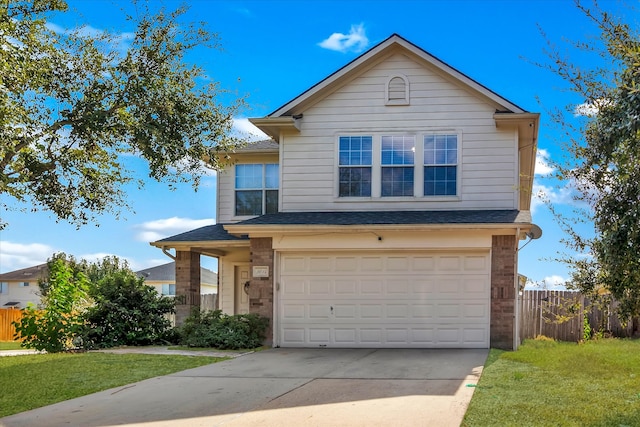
[218, 330]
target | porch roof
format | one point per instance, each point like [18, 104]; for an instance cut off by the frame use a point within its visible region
[214, 232]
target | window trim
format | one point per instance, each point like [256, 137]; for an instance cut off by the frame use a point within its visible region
[350, 166]
[419, 166]
[263, 189]
[457, 164]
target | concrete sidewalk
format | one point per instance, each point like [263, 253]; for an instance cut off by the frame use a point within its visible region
[288, 387]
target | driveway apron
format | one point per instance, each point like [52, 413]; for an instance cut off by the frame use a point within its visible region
[287, 387]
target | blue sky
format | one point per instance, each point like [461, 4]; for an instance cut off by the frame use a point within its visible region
[274, 50]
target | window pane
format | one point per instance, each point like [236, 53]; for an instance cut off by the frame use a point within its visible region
[397, 181]
[249, 176]
[355, 182]
[271, 176]
[440, 149]
[398, 150]
[249, 202]
[440, 180]
[355, 150]
[272, 201]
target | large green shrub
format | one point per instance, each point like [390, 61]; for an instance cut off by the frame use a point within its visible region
[218, 330]
[126, 312]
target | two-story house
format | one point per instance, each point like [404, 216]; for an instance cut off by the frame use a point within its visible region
[386, 211]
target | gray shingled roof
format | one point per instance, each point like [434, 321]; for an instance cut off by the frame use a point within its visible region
[167, 272]
[28, 274]
[264, 145]
[207, 233]
[393, 217]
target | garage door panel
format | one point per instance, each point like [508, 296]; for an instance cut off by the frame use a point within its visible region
[409, 300]
[371, 311]
[294, 311]
[318, 264]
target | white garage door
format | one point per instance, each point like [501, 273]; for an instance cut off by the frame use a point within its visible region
[393, 300]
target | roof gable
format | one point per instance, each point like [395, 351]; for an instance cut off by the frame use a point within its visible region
[374, 55]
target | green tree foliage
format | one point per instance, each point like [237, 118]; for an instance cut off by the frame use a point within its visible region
[74, 102]
[603, 160]
[58, 324]
[126, 311]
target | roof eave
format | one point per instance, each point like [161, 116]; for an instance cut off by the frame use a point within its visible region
[274, 126]
[527, 125]
[379, 49]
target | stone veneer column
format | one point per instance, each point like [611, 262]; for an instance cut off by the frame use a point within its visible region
[261, 289]
[187, 284]
[503, 296]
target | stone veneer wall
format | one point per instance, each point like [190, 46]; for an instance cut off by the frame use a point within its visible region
[503, 293]
[261, 289]
[187, 284]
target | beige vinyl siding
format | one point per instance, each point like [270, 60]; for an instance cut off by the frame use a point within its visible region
[487, 166]
[226, 186]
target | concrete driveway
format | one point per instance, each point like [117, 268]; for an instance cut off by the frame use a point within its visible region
[287, 387]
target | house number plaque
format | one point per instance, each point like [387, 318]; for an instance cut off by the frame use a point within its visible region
[261, 271]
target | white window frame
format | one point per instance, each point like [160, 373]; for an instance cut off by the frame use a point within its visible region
[370, 166]
[419, 167]
[4, 287]
[168, 285]
[457, 165]
[263, 188]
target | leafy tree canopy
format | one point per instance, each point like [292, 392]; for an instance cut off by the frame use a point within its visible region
[73, 103]
[603, 160]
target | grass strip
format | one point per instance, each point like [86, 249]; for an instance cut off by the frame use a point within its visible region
[596, 383]
[31, 381]
[10, 345]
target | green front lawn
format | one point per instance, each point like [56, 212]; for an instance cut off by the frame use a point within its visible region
[547, 383]
[32, 381]
[10, 345]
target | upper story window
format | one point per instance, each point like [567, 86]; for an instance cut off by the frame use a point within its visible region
[440, 165]
[397, 160]
[384, 165]
[4, 288]
[355, 162]
[256, 187]
[23, 284]
[397, 90]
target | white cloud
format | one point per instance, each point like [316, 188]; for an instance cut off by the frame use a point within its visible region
[543, 193]
[15, 256]
[355, 41]
[118, 40]
[553, 283]
[591, 108]
[243, 128]
[542, 163]
[151, 231]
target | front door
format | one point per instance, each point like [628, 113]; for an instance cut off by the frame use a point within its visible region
[241, 305]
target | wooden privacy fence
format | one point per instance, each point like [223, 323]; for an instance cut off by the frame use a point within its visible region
[561, 314]
[7, 317]
[207, 302]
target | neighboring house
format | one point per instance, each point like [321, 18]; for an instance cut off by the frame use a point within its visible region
[163, 279]
[386, 211]
[20, 287]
